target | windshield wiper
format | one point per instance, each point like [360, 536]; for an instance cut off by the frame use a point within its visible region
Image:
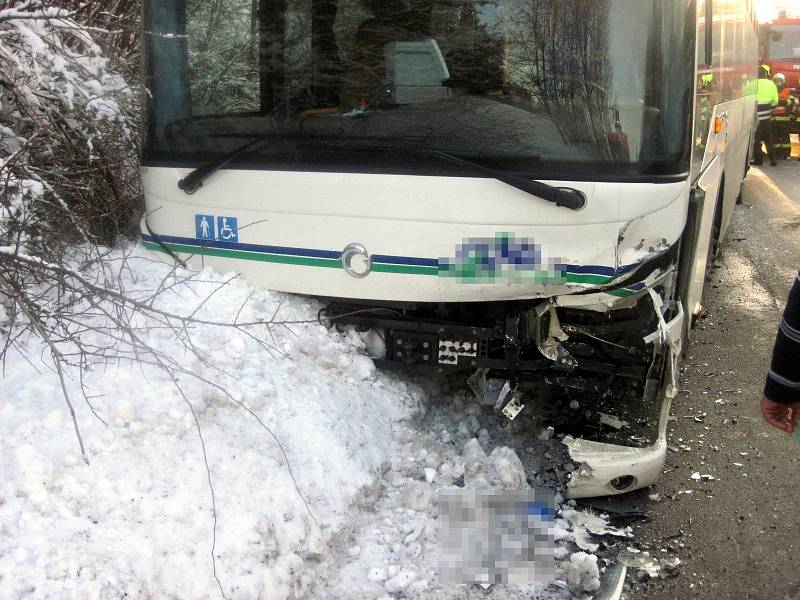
[194, 180]
[560, 196]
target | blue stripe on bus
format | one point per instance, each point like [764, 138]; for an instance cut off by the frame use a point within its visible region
[336, 254]
[599, 270]
[285, 250]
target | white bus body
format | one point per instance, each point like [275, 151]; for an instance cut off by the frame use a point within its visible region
[427, 239]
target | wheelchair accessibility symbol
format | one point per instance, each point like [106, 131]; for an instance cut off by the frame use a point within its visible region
[218, 229]
[227, 229]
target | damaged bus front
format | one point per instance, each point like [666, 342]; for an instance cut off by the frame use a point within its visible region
[498, 189]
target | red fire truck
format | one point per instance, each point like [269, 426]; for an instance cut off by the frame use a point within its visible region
[780, 47]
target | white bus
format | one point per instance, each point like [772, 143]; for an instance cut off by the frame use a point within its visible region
[525, 192]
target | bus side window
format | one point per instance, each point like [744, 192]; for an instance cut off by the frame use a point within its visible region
[708, 45]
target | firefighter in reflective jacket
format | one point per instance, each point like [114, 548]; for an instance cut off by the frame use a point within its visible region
[767, 98]
[781, 117]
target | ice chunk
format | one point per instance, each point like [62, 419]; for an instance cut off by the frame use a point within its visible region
[584, 541]
[363, 367]
[484, 438]
[401, 581]
[417, 495]
[509, 468]
[582, 573]
[453, 468]
[473, 453]
[33, 472]
[469, 425]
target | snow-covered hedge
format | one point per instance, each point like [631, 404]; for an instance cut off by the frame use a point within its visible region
[67, 143]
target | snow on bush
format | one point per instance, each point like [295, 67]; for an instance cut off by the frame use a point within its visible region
[54, 60]
[67, 146]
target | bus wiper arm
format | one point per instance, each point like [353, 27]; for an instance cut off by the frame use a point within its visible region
[194, 180]
[566, 197]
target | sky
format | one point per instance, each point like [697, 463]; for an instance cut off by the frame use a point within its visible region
[768, 9]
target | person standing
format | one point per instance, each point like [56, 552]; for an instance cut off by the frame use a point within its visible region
[780, 405]
[780, 118]
[767, 99]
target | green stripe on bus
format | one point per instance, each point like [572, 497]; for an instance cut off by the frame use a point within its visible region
[592, 279]
[243, 255]
[304, 261]
[405, 269]
[332, 263]
[623, 292]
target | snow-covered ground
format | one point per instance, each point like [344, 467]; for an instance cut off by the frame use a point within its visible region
[370, 453]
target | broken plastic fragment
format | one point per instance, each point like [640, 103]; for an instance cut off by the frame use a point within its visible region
[585, 523]
[647, 565]
[546, 433]
[612, 421]
[612, 582]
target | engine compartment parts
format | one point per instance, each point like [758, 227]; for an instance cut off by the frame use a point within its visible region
[599, 375]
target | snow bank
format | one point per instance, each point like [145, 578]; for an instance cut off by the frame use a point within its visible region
[371, 454]
[138, 520]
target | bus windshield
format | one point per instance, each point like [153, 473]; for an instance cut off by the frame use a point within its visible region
[784, 42]
[550, 88]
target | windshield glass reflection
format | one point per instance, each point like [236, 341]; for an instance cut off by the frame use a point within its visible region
[541, 87]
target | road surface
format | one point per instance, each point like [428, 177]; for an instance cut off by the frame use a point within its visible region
[738, 535]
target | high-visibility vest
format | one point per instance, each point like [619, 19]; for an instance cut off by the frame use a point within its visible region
[767, 98]
[767, 92]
